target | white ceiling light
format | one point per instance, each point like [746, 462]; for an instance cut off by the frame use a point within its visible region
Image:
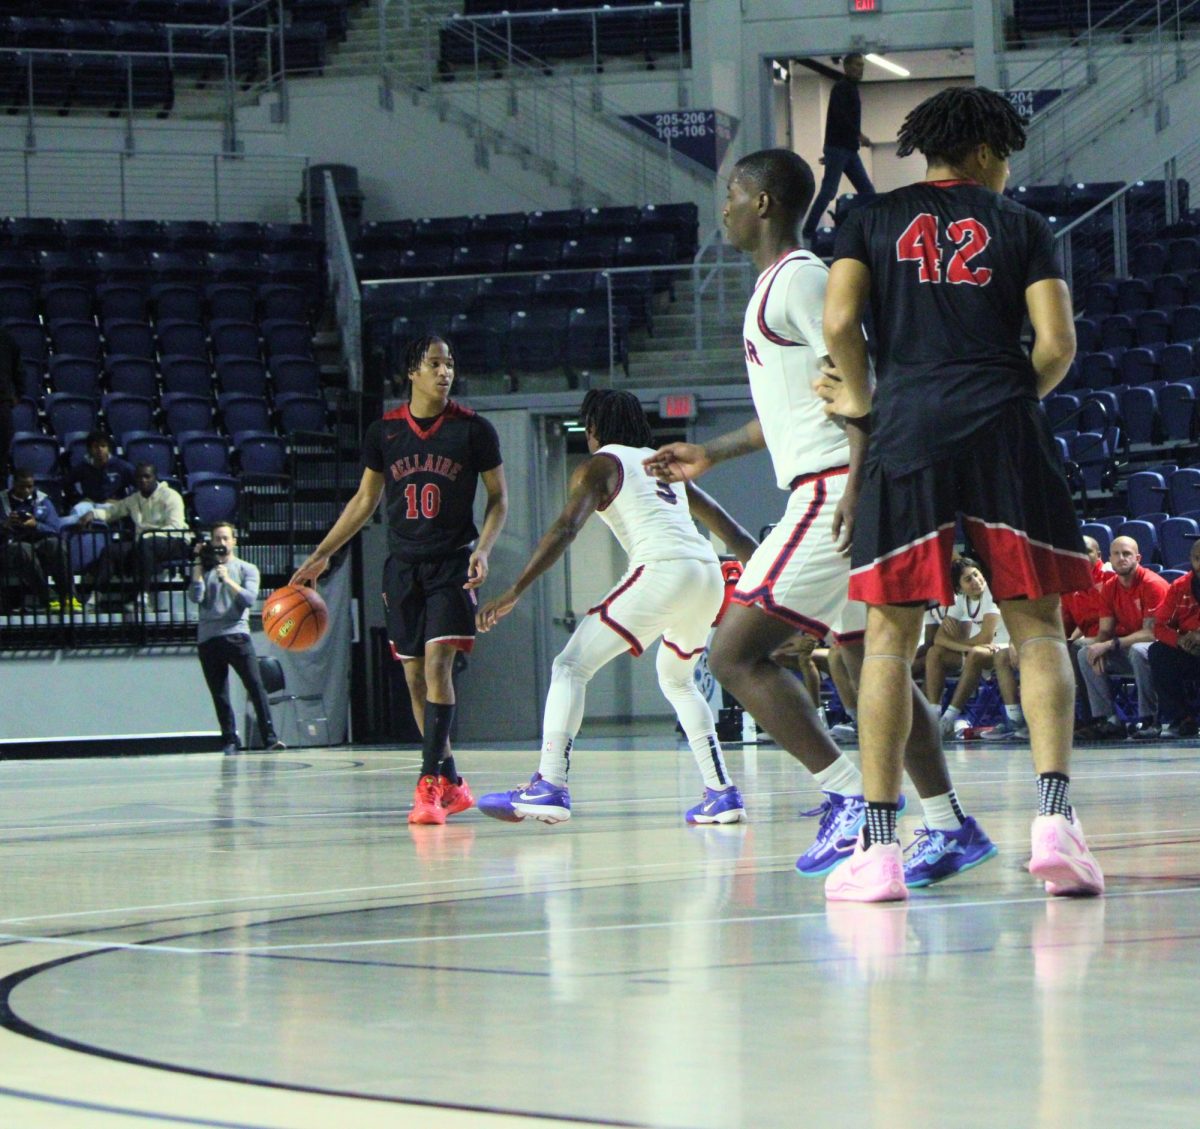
[888, 65]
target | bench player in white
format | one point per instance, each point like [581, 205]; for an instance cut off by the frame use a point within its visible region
[673, 588]
[799, 576]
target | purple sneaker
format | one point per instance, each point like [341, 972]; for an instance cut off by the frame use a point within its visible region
[539, 799]
[720, 805]
[842, 818]
[937, 855]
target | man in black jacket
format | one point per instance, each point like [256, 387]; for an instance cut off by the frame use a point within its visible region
[843, 137]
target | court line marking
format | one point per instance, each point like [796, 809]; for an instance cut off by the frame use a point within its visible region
[621, 927]
[126, 1111]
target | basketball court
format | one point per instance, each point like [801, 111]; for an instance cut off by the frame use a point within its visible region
[264, 941]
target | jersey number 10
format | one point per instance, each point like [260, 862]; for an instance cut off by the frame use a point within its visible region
[921, 243]
[431, 501]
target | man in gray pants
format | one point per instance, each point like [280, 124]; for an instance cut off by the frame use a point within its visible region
[225, 587]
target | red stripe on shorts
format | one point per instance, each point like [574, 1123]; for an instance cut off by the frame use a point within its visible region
[1021, 567]
[635, 647]
[685, 655]
[919, 571]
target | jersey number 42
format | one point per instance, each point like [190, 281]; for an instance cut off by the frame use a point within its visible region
[922, 243]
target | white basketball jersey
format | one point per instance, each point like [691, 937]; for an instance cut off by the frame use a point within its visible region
[651, 519]
[784, 345]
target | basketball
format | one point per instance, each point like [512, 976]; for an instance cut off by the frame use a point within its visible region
[295, 617]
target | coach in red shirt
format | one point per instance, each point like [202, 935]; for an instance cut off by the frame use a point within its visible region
[1129, 602]
[1175, 652]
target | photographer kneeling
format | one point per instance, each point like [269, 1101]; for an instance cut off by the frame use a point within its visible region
[225, 587]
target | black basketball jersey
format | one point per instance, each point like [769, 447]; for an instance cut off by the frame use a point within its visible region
[950, 262]
[430, 469]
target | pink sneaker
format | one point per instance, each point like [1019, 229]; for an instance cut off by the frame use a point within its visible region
[875, 874]
[1061, 858]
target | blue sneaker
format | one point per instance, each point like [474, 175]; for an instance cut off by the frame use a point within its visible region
[720, 805]
[539, 799]
[842, 818]
[937, 855]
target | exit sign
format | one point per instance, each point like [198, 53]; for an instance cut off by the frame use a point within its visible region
[677, 405]
[859, 7]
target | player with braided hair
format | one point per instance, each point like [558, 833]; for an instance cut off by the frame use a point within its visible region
[673, 589]
[950, 269]
[426, 458]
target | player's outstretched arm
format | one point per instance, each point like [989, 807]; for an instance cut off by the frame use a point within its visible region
[357, 513]
[493, 522]
[682, 462]
[712, 515]
[592, 485]
[1049, 304]
[847, 390]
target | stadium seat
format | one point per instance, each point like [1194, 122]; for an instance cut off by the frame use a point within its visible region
[190, 375]
[235, 339]
[214, 498]
[1176, 536]
[300, 412]
[124, 413]
[200, 452]
[1098, 370]
[79, 376]
[129, 338]
[1146, 536]
[1101, 532]
[1169, 291]
[1100, 409]
[1176, 362]
[120, 300]
[291, 374]
[1185, 490]
[66, 412]
[18, 301]
[279, 300]
[177, 301]
[185, 412]
[1146, 492]
[1185, 323]
[240, 412]
[1139, 414]
[261, 455]
[35, 452]
[1133, 294]
[25, 416]
[536, 340]
[76, 337]
[150, 447]
[231, 302]
[1061, 409]
[1152, 327]
[137, 376]
[1117, 330]
[1177, 409]
[283, 337]
[1138, 366]
[242, 375]
[67, 301]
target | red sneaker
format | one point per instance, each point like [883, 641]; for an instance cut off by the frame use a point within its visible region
[456, 797]
[427, 801]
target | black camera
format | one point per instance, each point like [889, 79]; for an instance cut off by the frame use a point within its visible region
[210, 555]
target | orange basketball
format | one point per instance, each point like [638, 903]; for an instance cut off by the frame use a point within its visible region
[295, 617]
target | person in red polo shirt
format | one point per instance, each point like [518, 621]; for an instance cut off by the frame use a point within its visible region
[1130, 600]
[1081, 613]
[1175, 652]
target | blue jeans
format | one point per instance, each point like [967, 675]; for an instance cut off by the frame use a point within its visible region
[837, 162]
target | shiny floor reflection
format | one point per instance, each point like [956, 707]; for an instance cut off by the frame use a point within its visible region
[265, 941]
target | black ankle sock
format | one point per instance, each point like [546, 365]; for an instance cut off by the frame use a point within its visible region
[1054, 794]
[449, 771]
[437, 735]
[880, 826]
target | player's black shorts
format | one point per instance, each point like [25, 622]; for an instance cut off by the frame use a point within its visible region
[1008, 485]
[426, 602]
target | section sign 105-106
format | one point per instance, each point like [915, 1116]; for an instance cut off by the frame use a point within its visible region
[701, 137]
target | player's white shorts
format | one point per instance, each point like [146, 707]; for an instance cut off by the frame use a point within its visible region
[675, 599]
[796, 575]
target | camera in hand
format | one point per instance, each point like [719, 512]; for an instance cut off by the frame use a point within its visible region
[211, 555]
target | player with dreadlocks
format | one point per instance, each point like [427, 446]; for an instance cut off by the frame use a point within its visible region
[426, 458]
[950, 268]
[673, 589]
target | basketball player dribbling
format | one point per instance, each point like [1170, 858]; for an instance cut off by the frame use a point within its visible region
[426, 459]
[950, 269]
[798, 577]
[673, 589]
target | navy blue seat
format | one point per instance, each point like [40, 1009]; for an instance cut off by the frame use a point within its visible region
[1118, 330]
[445, 231]
[1148, 259]
[1061, 409]
[245, 267]
[137, 376]
[178, 266]
[188, 375]
[479, 340]
[30, 339]
[1183, 255]
[296, 375]
[182, 338]
[1139, 414]
[18, 301]
[1168, 291]
[284, 337]
[537, 340]
[151, 447]
[130, 338]
[504, 227]
[1185, 490]
[128, 267]
[590, 345]
[36, 452]
[1100, 300]
[235, 338]
[68, 301]
[384, 235]
[1176, 536]
[1152, 327]
[214, 498]
[177, 301]
[203, 453]
[244, 375]
[300, 412]
[479, 258]
[1101, 532]
[558, 225]
[1138, 366]
[25, 416]
[184, 412]
[240, 235]
[1176, 362]
[1146, 536]
[138, 235]
[188, 235]
[1146, 492]
[589, 252]
[1177, 408]
[280, 300]
[18, 265]
[228, 301]
[79, 376]
[120, 300]
[124, 414]
[261, 455]
[77, 337]
[1185, 323]
[1098, 370]
[67, 412]
[240, 412]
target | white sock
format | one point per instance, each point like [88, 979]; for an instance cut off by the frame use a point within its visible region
[1016, 715]
[841, 777]
[951, 713]
[556, 758]
[709, 759]
[939, 813]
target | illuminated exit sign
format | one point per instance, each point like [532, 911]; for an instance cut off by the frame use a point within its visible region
[858, 7]
[677, 405]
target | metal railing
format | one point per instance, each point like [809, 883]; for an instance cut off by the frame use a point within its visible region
[558, 122]
[629, 322]
[1103, 241]
[343, 286]
[94, 184]
[1119, 64]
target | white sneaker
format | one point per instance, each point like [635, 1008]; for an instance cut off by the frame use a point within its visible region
[1059, 856]
[844, 731]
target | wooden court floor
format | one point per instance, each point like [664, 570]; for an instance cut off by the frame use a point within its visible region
[263, 941]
